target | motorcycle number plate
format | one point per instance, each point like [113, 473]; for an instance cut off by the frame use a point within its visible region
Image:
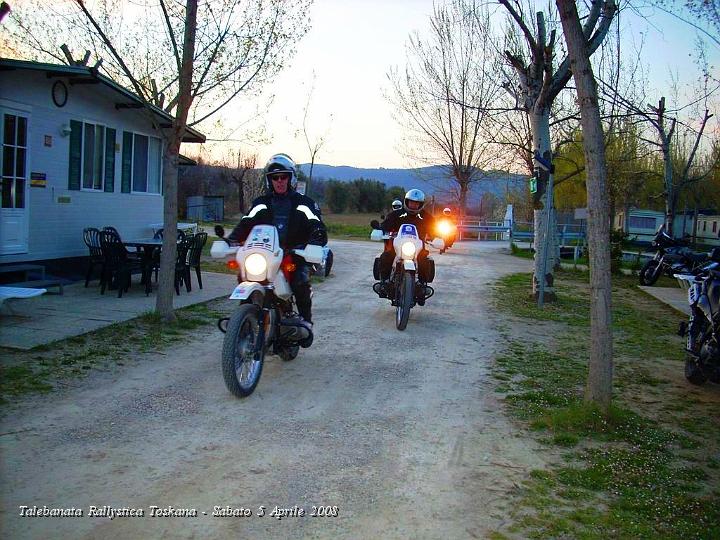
[408, 229]
[239, 293]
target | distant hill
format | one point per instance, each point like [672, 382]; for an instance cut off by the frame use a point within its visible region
[432, 180]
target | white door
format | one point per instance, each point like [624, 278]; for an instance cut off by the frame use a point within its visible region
[15, 188]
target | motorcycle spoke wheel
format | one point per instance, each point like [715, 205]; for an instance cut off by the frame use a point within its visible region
[406, 294]
[650, 273]
[243, 356]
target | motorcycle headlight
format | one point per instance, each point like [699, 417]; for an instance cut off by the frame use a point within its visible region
[444, 228]
[255, 264]
[408, 250]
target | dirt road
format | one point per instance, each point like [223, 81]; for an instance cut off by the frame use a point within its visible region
[400, 431]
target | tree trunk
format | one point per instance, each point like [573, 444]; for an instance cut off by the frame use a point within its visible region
[600, 369]
[544, 254]
[166, 275]
[241, 195]
[669, 188]
[463, 199]
[166, 287]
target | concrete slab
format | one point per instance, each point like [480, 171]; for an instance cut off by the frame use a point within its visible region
[44, 319]
[675, 297]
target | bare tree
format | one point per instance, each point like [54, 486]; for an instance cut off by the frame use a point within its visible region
[537, 85]
[446, 92]
[313, 142]
[600, 369]
[239, 168]
[173, 62]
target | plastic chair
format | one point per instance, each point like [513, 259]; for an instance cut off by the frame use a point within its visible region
[195, 254]
[182, 270]
[116, 262]
[91, 237]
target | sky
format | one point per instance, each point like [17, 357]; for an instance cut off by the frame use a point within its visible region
[347, 54]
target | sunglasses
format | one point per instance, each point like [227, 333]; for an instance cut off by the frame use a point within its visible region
[279, 177]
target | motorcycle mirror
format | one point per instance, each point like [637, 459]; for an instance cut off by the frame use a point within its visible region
[375, 224]
[220, 231]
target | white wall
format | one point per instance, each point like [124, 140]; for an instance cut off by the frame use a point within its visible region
[55, 228]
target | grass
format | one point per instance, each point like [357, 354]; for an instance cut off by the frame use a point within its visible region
[649, 469]
[47, 367]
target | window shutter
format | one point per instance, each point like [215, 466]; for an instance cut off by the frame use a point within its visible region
[109, 160]
[126, 161]
[75, 155]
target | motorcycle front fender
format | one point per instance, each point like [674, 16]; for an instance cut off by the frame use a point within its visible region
[409, 266]
[246, 289]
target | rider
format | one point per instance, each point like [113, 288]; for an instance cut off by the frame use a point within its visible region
[412, 212]
[298, 221]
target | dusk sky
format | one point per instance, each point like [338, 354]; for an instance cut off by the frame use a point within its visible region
[351, 47]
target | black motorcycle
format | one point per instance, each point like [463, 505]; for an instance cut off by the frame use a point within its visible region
[703, 328]
[672, 257]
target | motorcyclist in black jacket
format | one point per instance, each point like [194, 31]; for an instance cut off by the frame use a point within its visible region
[411, 212]
[297, 218]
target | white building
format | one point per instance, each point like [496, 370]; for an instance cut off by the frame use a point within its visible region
[78, 150]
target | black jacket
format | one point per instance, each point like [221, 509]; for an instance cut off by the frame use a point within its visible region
[424, 221]
[305, 224]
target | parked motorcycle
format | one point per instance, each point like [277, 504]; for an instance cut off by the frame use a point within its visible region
[672, 257]
[266, 315]
[408, 284]
[703, 328]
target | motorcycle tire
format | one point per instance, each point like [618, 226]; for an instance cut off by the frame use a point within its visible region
[694, 373]
[328, 263]
[650, 273]
[242, 358]
[406, 294]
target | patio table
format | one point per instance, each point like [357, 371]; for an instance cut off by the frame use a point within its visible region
[148, 247]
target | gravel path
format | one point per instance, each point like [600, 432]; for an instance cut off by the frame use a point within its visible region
[400, 431]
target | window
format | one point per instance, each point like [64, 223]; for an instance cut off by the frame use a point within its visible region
[14, 152]
[144, 165]
[704, 226]
[714, 226]
[93, 149]
[91, 164]
[638, 222]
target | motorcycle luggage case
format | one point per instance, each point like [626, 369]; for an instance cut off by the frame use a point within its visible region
[427, 271]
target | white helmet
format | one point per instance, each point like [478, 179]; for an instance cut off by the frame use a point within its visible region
[447, 211]
[280, 163]
[397, 204]
[416, 199]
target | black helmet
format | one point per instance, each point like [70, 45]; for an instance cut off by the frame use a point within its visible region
[280, 163]
[414, 196]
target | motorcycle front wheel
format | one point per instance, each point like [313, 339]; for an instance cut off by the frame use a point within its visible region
[650, 272]
[243, 354]
[406, 293]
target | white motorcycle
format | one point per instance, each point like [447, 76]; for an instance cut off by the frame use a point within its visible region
[266, 316]
[405, 286]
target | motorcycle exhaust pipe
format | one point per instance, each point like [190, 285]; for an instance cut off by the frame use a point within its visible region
[294, 331]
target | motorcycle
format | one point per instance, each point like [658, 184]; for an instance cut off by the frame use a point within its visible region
[703, 328]
[408, 284]
[672, 257]
[446, 230]
[266, 315]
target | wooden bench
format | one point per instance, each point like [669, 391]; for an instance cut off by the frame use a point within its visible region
[25, 268]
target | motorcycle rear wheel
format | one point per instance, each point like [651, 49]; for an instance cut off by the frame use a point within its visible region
[406, 294]
[650, 273]
[242, 355]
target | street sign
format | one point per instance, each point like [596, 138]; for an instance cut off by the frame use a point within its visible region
[543, 164]
[533, 185]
